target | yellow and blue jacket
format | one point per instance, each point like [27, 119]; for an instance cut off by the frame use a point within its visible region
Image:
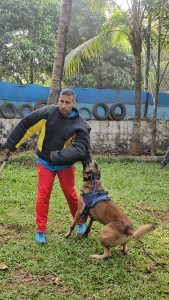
[61, 140]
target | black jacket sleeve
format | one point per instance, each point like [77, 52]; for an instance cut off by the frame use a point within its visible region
[26, 128]
[76, 152]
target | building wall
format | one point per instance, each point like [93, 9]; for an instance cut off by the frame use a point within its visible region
[110, 136]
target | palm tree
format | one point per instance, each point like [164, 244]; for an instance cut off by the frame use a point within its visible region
[123, 25]
[59, 57]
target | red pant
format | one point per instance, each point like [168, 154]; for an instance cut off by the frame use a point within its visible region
[45, 184]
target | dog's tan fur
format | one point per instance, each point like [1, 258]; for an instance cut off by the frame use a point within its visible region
[118, 229]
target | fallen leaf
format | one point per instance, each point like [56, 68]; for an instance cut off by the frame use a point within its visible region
[3, 266]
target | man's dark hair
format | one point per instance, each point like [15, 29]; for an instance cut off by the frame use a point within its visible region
[68, 92]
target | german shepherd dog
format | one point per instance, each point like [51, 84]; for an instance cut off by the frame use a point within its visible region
[118, 229]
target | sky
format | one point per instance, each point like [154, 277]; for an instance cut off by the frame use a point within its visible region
[122, 3]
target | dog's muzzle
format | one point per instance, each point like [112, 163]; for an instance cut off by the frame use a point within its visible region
[91, 176]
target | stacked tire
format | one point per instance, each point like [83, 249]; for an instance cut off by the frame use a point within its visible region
[116, 112]
[9, 111]
[111, 113]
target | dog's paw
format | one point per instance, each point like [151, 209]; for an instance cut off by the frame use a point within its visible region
[67, 234]
[102, 256]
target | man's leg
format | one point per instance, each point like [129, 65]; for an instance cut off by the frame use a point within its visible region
[67, 182]
[45, 184]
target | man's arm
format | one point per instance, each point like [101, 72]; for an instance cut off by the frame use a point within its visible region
[25, 128]
[76, 152]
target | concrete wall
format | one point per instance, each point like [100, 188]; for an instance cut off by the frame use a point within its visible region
[110, 136]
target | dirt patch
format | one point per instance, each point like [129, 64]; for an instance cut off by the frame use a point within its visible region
[20, 276]
[165, 218]
[150, 212]
[16, 228]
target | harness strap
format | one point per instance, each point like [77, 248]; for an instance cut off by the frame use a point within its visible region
[93, 198]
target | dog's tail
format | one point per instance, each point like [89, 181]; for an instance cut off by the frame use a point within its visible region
[142, 230]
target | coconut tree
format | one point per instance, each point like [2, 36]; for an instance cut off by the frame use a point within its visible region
[123, 27]
[61, 43]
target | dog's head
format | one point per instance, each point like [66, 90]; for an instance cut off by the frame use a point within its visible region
[91, 171]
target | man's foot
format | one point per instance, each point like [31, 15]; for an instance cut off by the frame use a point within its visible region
[81, 228]
[40, 237]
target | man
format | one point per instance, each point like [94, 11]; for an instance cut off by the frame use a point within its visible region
[165, 160]
[63, 140]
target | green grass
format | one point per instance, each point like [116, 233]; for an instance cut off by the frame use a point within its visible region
[140, 188]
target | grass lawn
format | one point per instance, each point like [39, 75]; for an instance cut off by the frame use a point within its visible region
[62, 269]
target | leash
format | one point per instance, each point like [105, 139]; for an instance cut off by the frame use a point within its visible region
[87, 207]
[157, 263]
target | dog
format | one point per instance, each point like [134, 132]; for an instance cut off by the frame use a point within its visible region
[118, 229]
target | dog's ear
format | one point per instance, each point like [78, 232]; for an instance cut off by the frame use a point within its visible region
[87, 160]
[97, 169]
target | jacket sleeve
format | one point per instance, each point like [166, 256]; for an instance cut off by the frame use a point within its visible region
[76, 152]
[25, 128]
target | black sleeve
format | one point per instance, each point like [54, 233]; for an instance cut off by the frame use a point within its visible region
[25, 128]
[76, 152]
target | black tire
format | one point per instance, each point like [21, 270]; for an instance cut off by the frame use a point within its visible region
[8, 110]
[40, 103]
[116, 116]
[106, 109]
[22, 107]
[84, 108]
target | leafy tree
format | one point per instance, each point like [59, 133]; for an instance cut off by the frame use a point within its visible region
[84, 24]
[122, 26]
[27, 30]
[158, 13]
[113, 70]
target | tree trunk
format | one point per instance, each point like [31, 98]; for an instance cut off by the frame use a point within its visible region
[147, 67]
[31, 75]
[59, 57]
[136, 44]
[154, 120]
[137, 60]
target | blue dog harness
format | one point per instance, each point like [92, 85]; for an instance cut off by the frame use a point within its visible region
[91, 199]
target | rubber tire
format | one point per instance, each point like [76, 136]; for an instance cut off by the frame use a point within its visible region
[39, 103]
[105, 107]
[22, 107]
[88, 110]
[117, 117]
[5, 113]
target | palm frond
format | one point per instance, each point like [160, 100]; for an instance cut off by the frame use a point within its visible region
[91, 49]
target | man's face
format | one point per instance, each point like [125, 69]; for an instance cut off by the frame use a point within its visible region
[66, 104]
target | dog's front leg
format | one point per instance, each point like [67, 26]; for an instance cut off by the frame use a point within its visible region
[77, 218]
[88, 227]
